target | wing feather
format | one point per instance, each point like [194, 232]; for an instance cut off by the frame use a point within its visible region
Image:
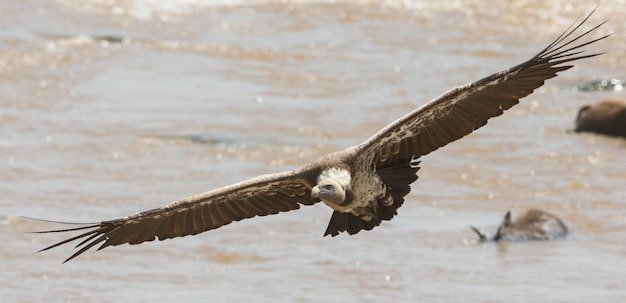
[264, 195]
[464, 109]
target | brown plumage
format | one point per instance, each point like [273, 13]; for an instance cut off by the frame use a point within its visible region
[608, 117]
[363, 184]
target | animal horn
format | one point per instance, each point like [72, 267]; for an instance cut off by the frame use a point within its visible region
[480, 234]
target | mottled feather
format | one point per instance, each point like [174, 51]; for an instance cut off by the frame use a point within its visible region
[464, 109]
[260, 196]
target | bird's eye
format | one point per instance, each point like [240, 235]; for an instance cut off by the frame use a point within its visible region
[328, 186]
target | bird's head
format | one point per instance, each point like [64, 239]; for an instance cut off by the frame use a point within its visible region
[330, 191]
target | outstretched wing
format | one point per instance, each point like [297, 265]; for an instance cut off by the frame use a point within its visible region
[260, 196]
[464, 109]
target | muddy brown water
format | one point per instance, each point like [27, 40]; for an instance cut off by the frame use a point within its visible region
[113, 107]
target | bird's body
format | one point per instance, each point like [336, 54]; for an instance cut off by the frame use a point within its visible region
[364, 184]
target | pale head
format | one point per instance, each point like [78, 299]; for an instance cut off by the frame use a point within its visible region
[331, 186]
[330, 191]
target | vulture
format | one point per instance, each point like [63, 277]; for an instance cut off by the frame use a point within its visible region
[608, 117]
[364, 184]
[534, 224]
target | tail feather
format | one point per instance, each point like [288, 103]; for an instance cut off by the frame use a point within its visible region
[350, 223]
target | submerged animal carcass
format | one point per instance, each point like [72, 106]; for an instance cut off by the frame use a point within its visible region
[534, 224]
[607, 117]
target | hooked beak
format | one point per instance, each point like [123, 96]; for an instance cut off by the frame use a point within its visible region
[315, 193]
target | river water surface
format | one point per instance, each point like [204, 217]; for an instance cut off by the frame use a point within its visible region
[112, 107]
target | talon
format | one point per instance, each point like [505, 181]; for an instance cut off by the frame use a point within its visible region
[364, 213]
[387, 202]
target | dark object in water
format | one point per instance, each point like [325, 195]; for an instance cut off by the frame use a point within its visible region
[602, 85]
[107, 39]
[533, 225]
[607, 117]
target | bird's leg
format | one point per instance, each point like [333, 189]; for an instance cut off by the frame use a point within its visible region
[365, 213]
[384, 198]
[387, 200]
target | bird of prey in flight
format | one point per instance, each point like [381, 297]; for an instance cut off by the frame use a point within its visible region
[364, 184]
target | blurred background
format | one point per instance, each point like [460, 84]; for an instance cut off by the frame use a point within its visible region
[110, 107]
